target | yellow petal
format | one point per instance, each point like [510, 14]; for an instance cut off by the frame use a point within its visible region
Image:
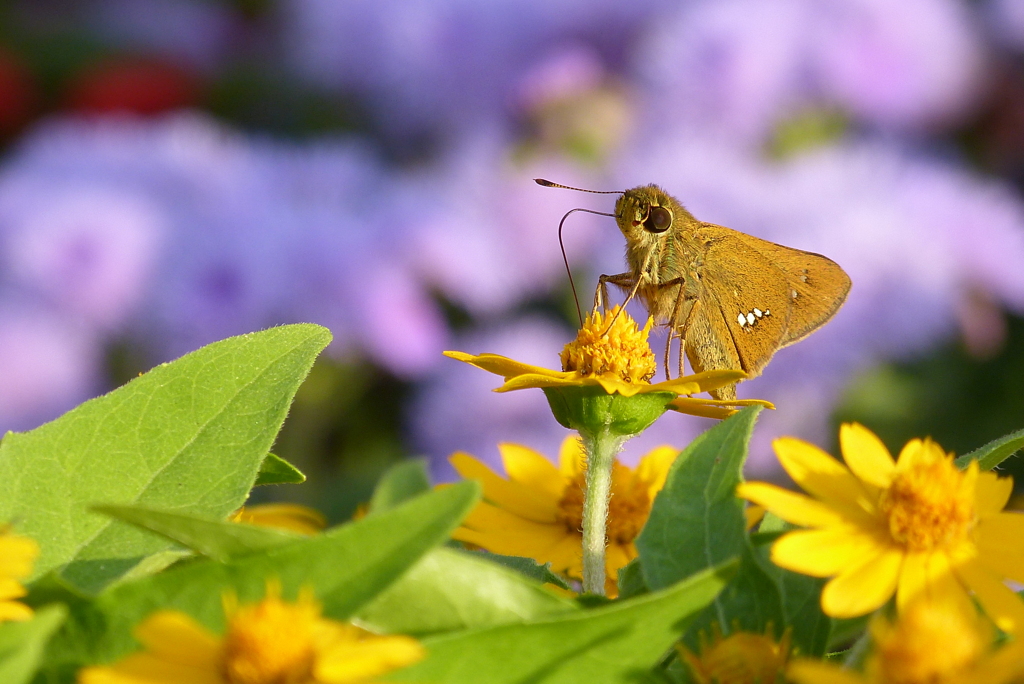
[654, 466]
[17, 555]
[144, 668]
[824, 477]
[1000, 603]
[572, 459]
[14, 611]
[357, 661]
[992, 493]
[790, 506]
[866, 455]
[11, 588]
[502, 365]
[539, 380]
[930, 576]
[512, 496]
[807, 671]
[863, 587]
[567, 556]
[529, 468]
[917, 453]
[616, 557]
[700, 382]
[175, 637]
[1000, 541]
[824, 553]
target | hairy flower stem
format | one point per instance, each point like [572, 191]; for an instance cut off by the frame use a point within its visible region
[601, 448]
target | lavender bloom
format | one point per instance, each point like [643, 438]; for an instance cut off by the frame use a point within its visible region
[451, 62]
[491, 239]
[736, 68]
[88, 249]
[257, 234]
[47, 364]
[1004, 20]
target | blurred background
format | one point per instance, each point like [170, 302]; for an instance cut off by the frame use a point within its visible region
[178, 171]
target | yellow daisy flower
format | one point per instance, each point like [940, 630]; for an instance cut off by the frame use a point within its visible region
[17, 554]
[620, 361]
[917, 525]
[282, 516]
[538, 511]
[933, 642]
[740, 658]
[270, 642]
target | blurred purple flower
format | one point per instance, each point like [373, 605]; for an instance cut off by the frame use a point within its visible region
[489, 239]
[196, 32]
[450, 62]
[47, 365]
[88, 249]
[1004, 20]
[736, 68]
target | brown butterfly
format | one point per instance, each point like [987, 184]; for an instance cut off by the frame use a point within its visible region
[731, 299]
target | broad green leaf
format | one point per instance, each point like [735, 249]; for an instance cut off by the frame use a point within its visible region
[800, 604]
[631, 580]
[275, 470]
[190, 435]
[22, 644]
[448, 590]
[399, 483]
[526, 566]
[218, 539]
[696, 521]
[616, 643]
[345, 567]
[995, 452]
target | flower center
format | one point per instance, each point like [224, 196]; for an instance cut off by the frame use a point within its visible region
[930, 644]
[741, 658]
[620, 350]
[927, 505]
[628, 508]
[270, 643]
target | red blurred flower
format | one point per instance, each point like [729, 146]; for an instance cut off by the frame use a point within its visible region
[140, 85]
[17, 92]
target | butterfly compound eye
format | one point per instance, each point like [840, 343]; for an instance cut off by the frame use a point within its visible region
[658, 221]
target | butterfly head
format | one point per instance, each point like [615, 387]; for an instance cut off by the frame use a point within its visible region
[646, 213]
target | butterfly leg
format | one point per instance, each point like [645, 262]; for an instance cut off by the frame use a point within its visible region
[623, 280]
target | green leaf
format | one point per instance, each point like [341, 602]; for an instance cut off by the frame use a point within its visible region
[22, 644]
[448, 590]
[631, 580]
[275, 470]
[345, 567]
[189, 435]
[616, 643]
[995, 452]
[218, 539]
[696, 521]
[400, 483]
[526, 566]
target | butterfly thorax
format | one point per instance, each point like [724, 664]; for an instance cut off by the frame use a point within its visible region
[660, 246]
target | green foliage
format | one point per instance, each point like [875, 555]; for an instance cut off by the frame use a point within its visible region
[399, 483]
[615, 643]
[22, 644]
[697, 522]
[995, 452]
[188, 436]
[275, 470]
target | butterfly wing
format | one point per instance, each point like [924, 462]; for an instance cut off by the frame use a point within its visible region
[746, 308]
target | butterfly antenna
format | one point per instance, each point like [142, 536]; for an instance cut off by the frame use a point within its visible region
[565, 259]
[549, 184]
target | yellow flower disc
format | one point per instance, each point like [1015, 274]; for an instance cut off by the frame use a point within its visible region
[740, 658]
[628, 508]
[927, 504]
[271, 642]
[611, 344]
[931, 642]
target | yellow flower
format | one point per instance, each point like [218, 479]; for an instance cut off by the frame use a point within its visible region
[915, 526]
[933, 642]
[282, 516]
[538, 511]
[620, 361]
[740, 658]
[270, 642]
[16, 557]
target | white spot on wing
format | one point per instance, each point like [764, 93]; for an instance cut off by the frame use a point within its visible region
[750, 318]
[742, 320]
[757, 312]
